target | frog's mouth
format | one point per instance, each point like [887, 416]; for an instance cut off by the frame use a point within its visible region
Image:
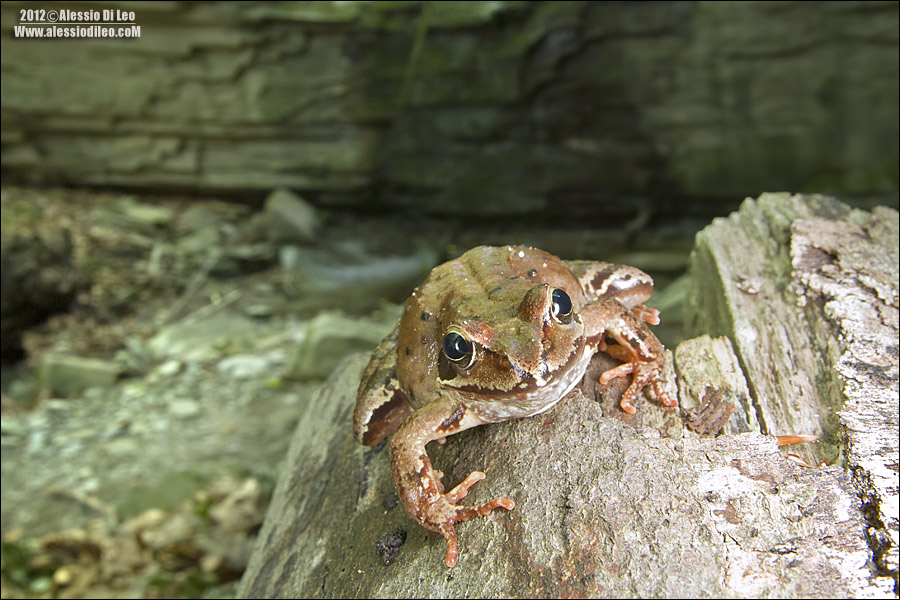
[529, 396]
[493, 377]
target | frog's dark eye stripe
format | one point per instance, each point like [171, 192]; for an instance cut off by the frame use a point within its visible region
[459, 350]
[560, 305]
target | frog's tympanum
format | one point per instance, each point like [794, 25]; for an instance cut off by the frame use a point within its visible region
[499, 333]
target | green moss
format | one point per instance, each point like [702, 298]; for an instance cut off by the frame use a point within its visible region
[19, 571]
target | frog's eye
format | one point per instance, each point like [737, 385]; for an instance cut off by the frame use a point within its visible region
[459, 350]
[560, 306]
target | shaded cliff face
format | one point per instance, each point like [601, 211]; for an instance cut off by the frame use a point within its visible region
[467, 108]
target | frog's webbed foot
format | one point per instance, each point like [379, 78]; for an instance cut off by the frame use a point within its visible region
[635, 345]
[449, 512]
[645, 373]
[646, 314]
[646, 369]
[441, 511]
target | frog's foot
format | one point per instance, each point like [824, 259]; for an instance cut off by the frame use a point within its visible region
[645, 373]
[647, 314]
[445, 512]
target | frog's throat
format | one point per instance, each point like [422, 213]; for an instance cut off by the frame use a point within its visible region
[527, 399]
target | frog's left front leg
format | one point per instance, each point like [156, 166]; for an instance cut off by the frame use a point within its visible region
[642, 352]
[419, 484]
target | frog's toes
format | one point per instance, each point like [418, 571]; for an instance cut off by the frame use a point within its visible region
[467, 512]
[445, 512]
[620, 371]
[663, 396]
[644, 374]
[460, 491]
[464, 513]
[452, 545]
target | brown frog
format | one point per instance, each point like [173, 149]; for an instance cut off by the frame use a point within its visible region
[499, 333]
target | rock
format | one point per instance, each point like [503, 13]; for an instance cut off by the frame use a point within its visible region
[290, 217]
[240, 258]
[603, 508]
[326, 339]
[243, 366]
[132, 215]
[567, 109]
[203, 339]
[806, 287]
[122, 447]
[352, 277]
[169, 368]
[38, 280]
[184, 408]
[199, 217]
[71, 375]
[286, 219]
[144, 214]
[258, 310]
[200, 240]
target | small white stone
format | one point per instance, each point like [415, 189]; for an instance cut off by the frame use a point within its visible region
[170, 367]
[244, 366]
[184, 409]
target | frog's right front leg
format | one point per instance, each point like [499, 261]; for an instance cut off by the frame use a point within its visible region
[419, 485]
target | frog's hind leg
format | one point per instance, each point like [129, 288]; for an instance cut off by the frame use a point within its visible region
[629, 285]
[381, 406]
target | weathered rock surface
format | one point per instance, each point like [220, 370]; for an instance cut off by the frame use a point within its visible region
[70, 375]
[808, 290]
[650, 505]
[465, 108]
[38, 280]
[602, 509]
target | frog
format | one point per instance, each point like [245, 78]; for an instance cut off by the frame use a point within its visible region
[500, 333]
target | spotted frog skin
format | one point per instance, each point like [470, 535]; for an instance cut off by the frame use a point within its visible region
[499, 333]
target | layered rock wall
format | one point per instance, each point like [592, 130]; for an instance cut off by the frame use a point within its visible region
[470, 107]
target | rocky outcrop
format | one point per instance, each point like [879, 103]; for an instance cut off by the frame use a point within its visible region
[466, 108]
[38, 281]
[689, 502]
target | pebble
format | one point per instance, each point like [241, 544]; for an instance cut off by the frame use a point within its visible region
[244, 366]
[184, 409]
[170, 367]
[123, 446]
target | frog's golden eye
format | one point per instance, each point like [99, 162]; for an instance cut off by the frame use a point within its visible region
[459, 350]
[560, 306]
